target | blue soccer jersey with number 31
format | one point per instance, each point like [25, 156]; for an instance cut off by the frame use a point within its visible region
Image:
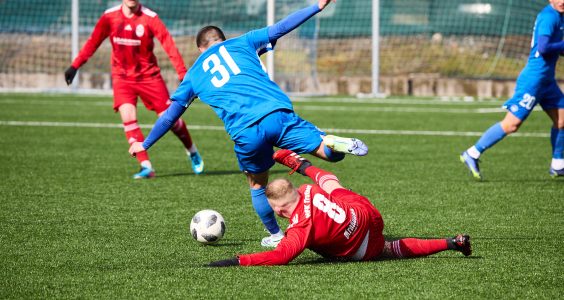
[230, 78]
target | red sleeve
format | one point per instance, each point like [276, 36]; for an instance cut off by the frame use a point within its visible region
[162, 34]
[290, 247]
[100, 33]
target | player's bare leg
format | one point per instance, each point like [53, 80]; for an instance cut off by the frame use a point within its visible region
[257, 184]
[411, 247]
[133, 133]
[557, 141]
[326, 180]
[181, 131]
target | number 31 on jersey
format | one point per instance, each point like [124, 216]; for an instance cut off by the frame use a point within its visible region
[213, 64]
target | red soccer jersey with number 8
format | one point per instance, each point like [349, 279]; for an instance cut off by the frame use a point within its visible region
[334, 227]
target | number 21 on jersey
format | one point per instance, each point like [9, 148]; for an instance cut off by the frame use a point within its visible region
[213, 64]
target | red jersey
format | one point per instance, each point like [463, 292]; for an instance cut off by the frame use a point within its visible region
[344, 225]
[132, 44]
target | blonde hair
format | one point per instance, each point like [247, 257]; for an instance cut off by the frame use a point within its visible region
[279, 189]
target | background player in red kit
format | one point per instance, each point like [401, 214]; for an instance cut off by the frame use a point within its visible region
[135, 73]
[333, 222]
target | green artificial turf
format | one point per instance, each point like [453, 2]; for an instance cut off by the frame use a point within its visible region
[74, 224]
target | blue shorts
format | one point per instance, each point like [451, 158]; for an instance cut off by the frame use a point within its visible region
[529, 92]
[281, 128]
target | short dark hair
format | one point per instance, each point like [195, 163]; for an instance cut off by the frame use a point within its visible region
[208, 35]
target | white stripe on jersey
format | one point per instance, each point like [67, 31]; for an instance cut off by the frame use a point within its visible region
[359, 255]
[148, 12]
[112, 9]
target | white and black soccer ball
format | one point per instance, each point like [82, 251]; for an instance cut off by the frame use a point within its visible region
[207, 226]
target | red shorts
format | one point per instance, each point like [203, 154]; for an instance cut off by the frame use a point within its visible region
[152, 91]
[375, 222]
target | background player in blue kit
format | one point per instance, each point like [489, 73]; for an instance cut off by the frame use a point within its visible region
[230, 77]
[536, 84]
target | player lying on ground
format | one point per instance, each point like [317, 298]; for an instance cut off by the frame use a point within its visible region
[135, 73]
[536, 84]
[230, 78]
[333, 222]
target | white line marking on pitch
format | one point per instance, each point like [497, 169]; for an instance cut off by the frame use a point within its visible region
[220, 128]
[300, 106]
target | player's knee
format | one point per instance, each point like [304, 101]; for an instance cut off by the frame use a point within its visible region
[509, 128]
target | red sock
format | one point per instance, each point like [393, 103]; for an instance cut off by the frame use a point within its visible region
[134, 134]
[180, 130]
[411, 247]
[320, 176]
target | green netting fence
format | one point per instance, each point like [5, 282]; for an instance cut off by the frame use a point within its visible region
[454, 38]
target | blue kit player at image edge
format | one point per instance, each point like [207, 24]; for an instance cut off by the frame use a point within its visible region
[535, 85]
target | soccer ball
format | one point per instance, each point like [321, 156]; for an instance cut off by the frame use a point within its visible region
[207, 226]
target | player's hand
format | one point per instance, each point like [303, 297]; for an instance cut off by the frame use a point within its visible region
[69, 74]
[324, 3]
[136, 148]
[225, 263]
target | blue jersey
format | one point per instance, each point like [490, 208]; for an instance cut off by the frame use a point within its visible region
[230, 78]
[549, 23]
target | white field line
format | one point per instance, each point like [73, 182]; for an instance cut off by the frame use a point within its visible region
[331, 130]
[400, 109]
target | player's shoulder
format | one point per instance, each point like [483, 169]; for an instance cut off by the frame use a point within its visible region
[113, 9]
[148, 12]
[549, 13]
[309, 190]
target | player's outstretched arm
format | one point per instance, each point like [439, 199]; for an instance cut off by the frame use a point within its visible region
[294, 20]
[100, 33]
[162, 126]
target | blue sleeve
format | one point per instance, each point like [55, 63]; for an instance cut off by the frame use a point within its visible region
[184, 94]
[292, 21]
[547, 24]
[164, 123]
[546, 48]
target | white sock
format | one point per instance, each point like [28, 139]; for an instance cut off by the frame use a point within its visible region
[192, 149]
[473, 152]
[557, 163]
[279, 233]
[146, 164]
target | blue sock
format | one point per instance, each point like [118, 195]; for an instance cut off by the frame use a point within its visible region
[553, 135]
[493, 135]
[558, 148]
[263, 210]
[333, 156]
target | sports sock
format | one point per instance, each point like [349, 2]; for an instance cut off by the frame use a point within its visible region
[319, 176]
[181, 131]
[490, 137]
[333, 156]
[147, 164]
[134, 134]
[558, 146]
[553, 135]
[264, 211]
[411, 247]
